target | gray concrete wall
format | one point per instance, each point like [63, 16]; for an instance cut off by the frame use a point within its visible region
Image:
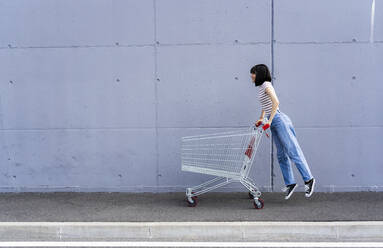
[96, 94]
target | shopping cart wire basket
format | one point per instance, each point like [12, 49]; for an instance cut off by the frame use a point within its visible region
[226, 155]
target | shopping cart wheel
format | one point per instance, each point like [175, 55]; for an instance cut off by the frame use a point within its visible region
[258, 203]
[194, 203]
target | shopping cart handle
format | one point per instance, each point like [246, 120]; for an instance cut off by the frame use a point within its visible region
[266, 126]
[257, 124]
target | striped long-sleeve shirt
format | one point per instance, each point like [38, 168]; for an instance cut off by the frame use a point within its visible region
[264, 98]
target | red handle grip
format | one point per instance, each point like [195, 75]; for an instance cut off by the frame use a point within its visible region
[266, 126]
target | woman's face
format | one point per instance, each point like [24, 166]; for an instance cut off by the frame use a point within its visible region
[253, 77]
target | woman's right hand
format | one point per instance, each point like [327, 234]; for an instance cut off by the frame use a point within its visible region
[258, 122]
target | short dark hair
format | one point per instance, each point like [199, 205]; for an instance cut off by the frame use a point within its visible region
[262, 74]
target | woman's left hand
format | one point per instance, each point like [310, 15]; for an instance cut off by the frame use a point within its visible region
[267, 125]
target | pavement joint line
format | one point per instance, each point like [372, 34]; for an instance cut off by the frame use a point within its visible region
[186, 244]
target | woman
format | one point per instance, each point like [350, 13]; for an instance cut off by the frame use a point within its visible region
[283, 133]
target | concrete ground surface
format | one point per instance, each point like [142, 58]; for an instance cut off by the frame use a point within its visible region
[172, 207]
[164, 217]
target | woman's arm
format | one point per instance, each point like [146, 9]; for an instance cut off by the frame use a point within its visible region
[262, 115]
[271, 92]
[258, 122]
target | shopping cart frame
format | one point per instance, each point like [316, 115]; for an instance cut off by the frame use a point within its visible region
[253, 138]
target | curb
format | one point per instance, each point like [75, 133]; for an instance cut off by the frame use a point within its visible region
[192, 231]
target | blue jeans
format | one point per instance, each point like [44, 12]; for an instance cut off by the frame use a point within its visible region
[287, 145]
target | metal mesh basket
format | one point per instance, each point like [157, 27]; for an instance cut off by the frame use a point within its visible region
[219, 154]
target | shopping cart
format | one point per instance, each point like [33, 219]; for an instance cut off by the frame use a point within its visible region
[227, 155]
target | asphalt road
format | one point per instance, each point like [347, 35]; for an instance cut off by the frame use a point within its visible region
[213, 206]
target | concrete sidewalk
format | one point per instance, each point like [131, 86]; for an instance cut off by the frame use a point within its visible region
[193, 231]
[171, 207]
